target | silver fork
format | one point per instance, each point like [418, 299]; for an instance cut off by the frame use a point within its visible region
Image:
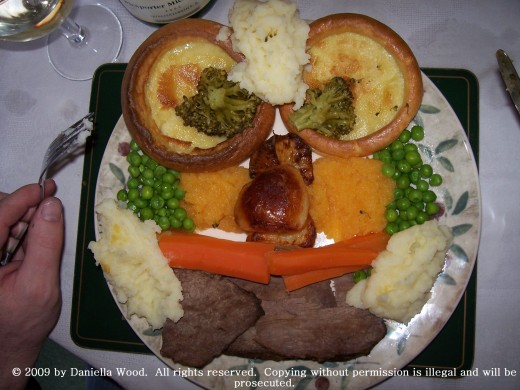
[62, 145]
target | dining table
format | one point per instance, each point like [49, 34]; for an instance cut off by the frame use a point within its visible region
[457, 37]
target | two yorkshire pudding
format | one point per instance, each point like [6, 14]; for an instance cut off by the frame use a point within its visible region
[386, 85]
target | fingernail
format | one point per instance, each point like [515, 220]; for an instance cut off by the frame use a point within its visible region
[51, 210]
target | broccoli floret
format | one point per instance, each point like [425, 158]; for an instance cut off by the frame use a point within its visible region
[220, 106]
[329, 110]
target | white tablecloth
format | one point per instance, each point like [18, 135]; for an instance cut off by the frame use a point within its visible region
[36, 103]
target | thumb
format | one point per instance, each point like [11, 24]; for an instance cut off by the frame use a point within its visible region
[44, 243]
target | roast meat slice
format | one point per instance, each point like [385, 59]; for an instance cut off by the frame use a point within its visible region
[326, 334]
[216, 312]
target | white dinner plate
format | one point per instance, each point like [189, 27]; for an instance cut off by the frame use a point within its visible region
[448, 150]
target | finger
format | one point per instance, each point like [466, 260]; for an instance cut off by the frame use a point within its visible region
[44, 244]
[20, 205]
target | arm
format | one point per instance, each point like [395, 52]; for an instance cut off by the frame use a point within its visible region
[30, 296]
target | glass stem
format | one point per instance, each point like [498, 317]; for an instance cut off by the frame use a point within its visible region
[73, 32]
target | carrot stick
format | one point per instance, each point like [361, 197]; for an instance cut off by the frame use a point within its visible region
[243, 260]
[374, 241]
[294, 282]
[304, 260]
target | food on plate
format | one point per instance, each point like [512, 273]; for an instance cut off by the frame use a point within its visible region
[403, 275]
[413, 202]
[244, 260]
[382, 73]
[216, 312]
[165, 68]
[152, 191]
[127, 250]
[329, 110]
[311, 323]
[272, 37]
[354, 191]
[276, 204]
[214, 208]
[220, 107]
[283, 149]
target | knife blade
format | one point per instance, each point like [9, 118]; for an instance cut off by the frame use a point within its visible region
[510, 77]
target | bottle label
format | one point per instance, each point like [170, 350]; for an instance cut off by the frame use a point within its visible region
[154, 11]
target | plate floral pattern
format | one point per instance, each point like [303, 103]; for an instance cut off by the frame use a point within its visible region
[447, 149]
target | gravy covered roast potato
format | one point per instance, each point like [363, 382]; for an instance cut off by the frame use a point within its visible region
[383, 75]
[165, 68]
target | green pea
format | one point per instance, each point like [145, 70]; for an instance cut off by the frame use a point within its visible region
[415, 196]
[159, 171]
[359, 276]
[133, 183]
[422, 185]
[151, 164]
[188, 224]
[413, 158]
[162, 212]
[385, 156]
[172, 203]
[133, 194]
[403, 182]
[169, 178]
[392, 228]
[429, 196]
[148, 174]
[435, 180]
[134, 171]
[398, 154]
[412, 212]
[417, 133]
[132, 206]
[391, 215]
[180, 213]
[403, 166]
[396, 145]
[405, 136]
[175, 223]
[426, 171]
[410, 148]
[398, 193]
[403, 225]
[147, 192]
[164, 223]
[141, 203]
[414, 176]
[391, 206]
[146, 213]
[134, 159]
[388, 169]
[403, 203]
[422, 217]
[157, 202]
[134, 146]
[122, 195]
[179, 193]
[432, 208]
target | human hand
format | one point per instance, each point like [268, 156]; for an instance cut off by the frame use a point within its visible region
[30, 295]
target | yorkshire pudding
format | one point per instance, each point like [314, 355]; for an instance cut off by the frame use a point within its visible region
[385, 81]
[166, 67]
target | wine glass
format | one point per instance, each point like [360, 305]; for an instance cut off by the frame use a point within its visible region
[78, 40]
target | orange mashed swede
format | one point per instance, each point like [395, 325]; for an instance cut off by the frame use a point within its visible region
[211, 196]
[349, 196]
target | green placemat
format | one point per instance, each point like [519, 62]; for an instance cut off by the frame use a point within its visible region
[96, 321]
